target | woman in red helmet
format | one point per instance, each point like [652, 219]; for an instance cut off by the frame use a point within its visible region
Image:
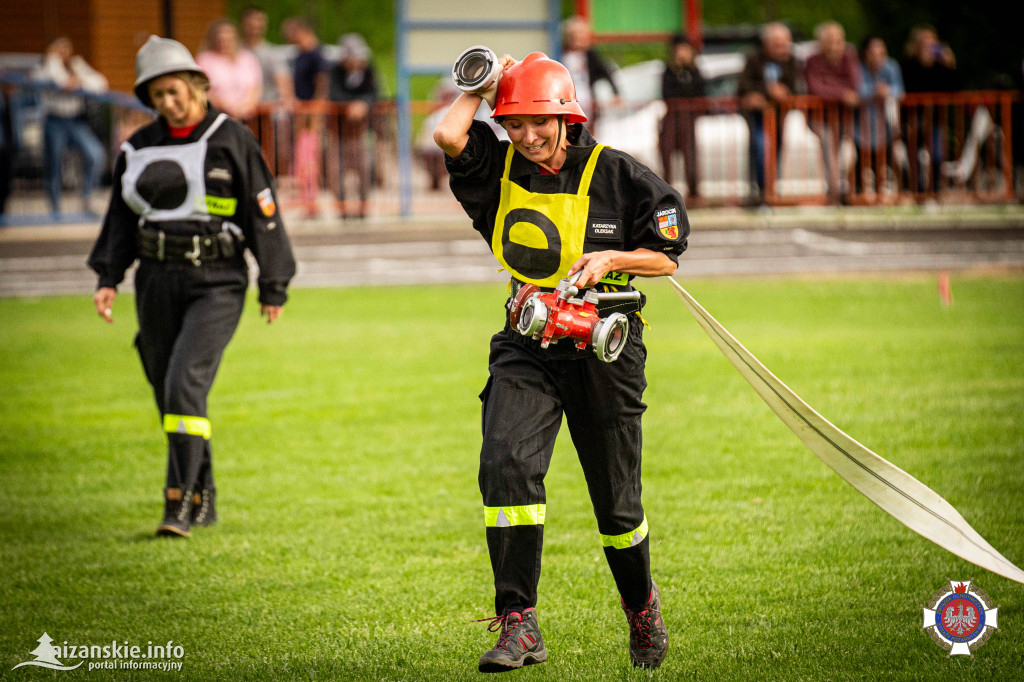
[550, 203]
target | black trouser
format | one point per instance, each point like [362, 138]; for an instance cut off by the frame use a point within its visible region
[528, 391]
[187, 315]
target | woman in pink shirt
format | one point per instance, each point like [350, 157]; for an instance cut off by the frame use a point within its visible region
[236, 79]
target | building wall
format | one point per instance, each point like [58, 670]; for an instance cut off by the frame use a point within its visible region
[119, 29]
[107, 33]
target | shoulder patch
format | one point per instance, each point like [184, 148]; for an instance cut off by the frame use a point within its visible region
[266, 201]
[668, 223]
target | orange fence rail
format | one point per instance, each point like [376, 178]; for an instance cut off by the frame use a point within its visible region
[952, 147]
[342, 160]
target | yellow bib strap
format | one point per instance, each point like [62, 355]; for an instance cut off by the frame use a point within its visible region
[508, 161]
[588, 171]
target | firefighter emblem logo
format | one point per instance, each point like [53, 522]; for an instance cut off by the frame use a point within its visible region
[266, 201]
[668, 224]
[960, 617]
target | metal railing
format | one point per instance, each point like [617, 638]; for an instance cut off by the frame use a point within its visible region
[954, 148]
[946, 147]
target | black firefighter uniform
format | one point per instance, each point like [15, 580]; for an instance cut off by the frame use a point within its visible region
[186, 208]
[537, 225]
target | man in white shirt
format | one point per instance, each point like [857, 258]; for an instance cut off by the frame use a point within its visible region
[67, 74]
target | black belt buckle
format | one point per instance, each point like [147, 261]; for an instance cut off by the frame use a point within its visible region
[203, 248]
[196, 253]
[208, 247]
[161, 243]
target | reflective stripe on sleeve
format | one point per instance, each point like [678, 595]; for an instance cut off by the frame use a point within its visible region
[192, 426]
[626, 540]
[524, 515]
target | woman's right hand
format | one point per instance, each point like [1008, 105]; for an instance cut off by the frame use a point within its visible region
[489, 93]
[103, 299]
[507, 61]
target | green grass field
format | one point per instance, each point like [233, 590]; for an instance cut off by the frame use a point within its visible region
[351, 541]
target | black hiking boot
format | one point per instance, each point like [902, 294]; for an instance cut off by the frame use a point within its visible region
[648, 636]
[177, 513]
[519, 643]
[204, 509]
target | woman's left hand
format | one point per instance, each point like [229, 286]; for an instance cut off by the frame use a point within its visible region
[271, 312]
[594, 265]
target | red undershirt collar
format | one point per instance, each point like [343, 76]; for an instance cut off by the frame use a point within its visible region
[182, 132]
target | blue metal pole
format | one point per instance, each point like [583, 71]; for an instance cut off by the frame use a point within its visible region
[404, 110]
[554, 24]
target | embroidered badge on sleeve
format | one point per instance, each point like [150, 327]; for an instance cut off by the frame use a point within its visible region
[266, 201]
[668, 223]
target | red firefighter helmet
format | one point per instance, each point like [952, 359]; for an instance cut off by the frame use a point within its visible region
[537, 86]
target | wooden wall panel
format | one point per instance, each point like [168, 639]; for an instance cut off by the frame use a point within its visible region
[191, 17]
[119, 30]
[29, 26]
[107, 33]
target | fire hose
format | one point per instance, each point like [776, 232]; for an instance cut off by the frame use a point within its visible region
[902, 496]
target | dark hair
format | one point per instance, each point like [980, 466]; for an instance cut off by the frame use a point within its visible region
[249, 9]
[680, 39]
[868, 39]
[573, 132]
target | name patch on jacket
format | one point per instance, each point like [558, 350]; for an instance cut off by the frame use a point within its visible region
[668, 223]
[604, 229]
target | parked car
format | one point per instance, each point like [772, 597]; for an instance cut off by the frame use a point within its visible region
[722, 137]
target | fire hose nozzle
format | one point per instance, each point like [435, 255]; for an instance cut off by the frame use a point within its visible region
[477, 71]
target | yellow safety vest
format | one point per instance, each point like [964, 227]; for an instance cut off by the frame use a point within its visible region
[537, 237]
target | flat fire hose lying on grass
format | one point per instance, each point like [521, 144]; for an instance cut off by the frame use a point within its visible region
[905, 498]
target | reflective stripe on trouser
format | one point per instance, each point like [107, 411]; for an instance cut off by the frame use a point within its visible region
[626, 540]
[523, 403]
[187, 316]
[522, 515]
[192, 426]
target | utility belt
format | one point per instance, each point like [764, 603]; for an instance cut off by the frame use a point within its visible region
[604, 308]
[196, 249]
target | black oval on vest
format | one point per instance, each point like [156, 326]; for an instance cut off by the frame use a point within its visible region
[527, 260]
[163, 185]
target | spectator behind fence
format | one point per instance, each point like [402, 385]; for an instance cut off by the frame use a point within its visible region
[881, 89]
[277, 78]
[309, 68]
[769, 78]
[928, 66]
[353, 81]
[833, 74]
[681, 81]
[586, 65]
[310, 80]
[442, 96]
[236, 78]
[65, 123]
[6, 152]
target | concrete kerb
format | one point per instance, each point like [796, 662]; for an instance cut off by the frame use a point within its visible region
[391, 228]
